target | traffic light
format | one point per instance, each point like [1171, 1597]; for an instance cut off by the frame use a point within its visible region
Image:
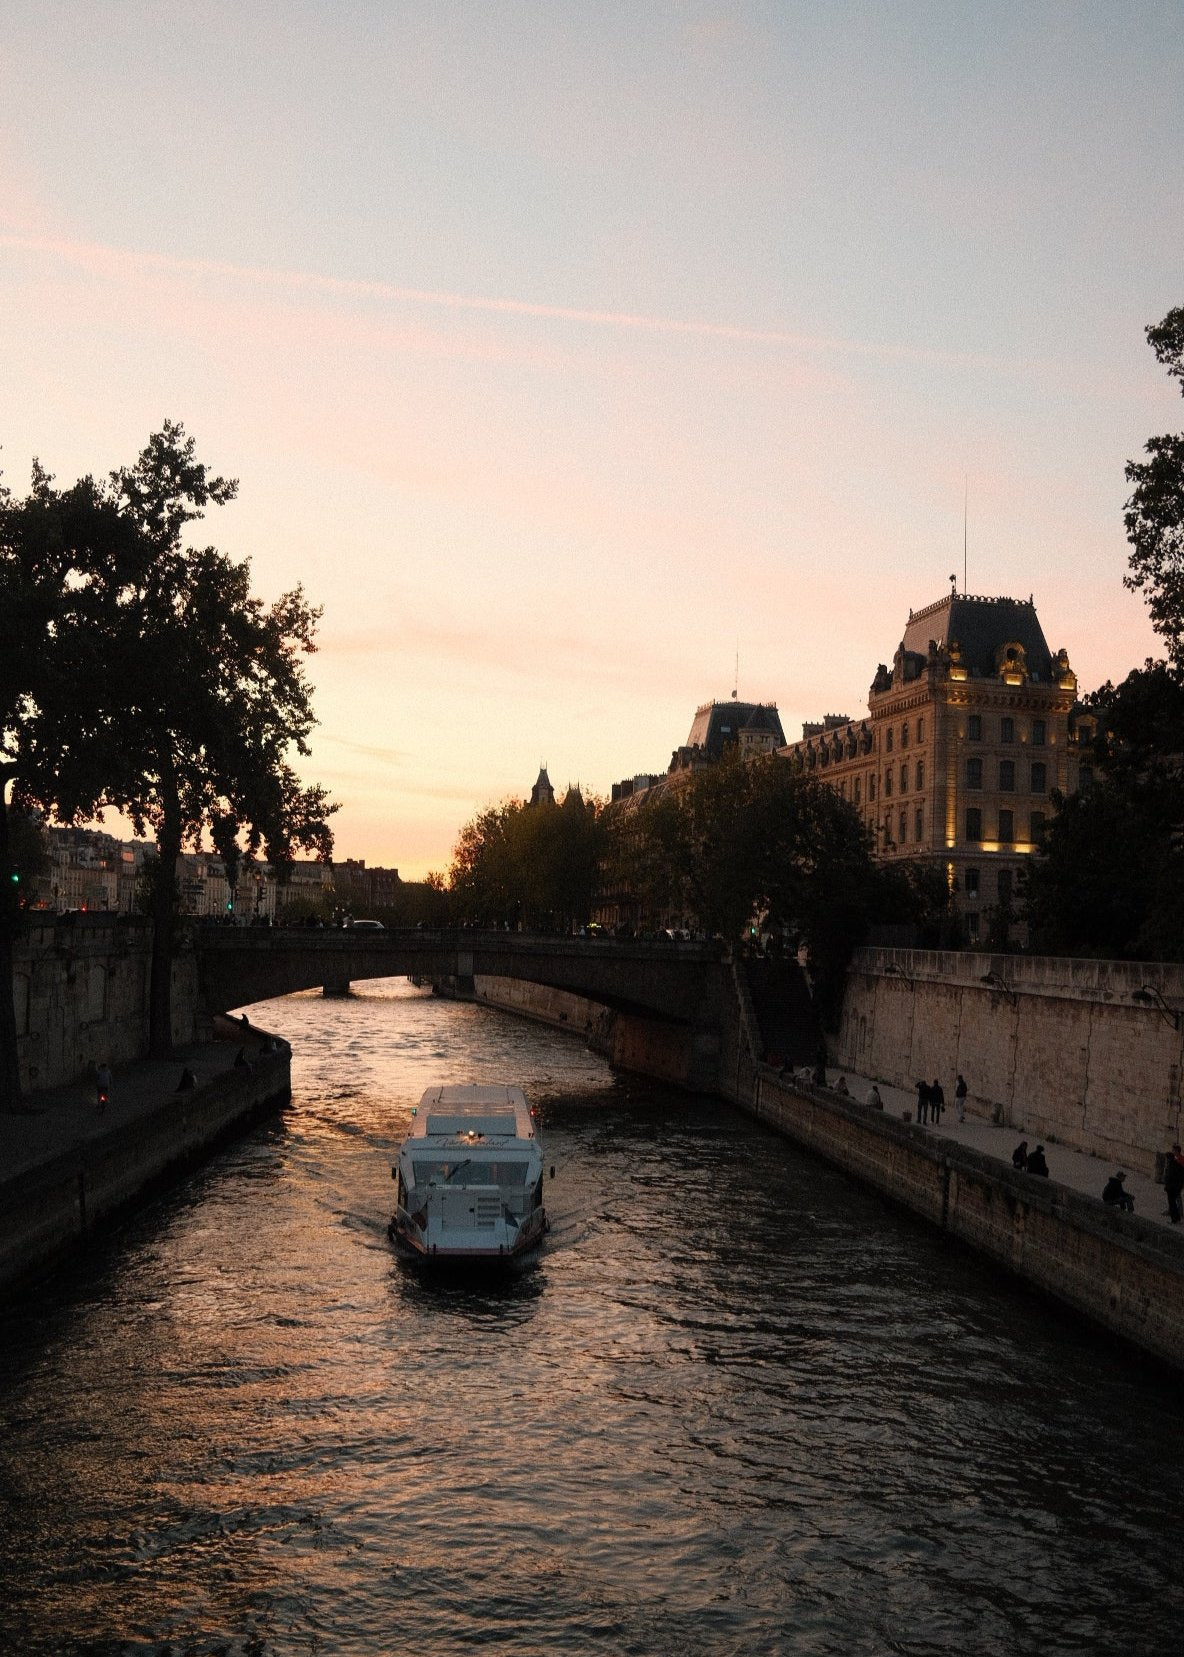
[230, 906]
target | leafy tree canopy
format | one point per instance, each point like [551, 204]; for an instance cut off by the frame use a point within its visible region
[156, 681]
[529, 865]
[1155, 511]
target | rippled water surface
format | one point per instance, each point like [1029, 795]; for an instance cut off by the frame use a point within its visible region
[740, 1406]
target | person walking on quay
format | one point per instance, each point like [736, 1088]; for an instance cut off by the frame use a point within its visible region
[937, 1101]
[103, 1085]
[1019, 1157]
[922, 1101]
[1037, 1164]
[1173, 1183]
[960, 1093]
[1116, 1195]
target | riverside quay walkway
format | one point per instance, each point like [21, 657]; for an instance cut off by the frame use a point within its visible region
[1076, 1169]
[67, 1165]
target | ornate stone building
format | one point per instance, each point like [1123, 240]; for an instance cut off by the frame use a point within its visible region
[965, 738]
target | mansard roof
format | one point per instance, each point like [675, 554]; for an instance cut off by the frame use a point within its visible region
[981, 627]
[716, 724]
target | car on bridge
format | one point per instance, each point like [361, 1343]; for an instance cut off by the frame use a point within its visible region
[365, 926]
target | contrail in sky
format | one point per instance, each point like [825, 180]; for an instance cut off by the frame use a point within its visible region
[96, 255]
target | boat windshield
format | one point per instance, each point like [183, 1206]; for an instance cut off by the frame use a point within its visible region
[474, 1173]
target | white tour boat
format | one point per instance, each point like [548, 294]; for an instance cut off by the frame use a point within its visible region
[470, 1178]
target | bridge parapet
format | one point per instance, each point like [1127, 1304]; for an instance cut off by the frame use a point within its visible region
[669, 977]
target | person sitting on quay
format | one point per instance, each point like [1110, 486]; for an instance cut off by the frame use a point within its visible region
[1115, 1194]
[841, 1087]
[1019, 1157]
[873, 1098]
[1037, 1164]
[1173, 1183]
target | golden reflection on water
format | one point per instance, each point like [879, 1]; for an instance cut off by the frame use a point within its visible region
[739, 1406]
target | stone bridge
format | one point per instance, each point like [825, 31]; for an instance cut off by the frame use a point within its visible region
[661, 979]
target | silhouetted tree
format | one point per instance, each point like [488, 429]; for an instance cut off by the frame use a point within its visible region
[167, 689]
[1155, 511]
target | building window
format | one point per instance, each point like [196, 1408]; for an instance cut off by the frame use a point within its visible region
[974, 727]
[918, 824]
[1039, 777]
[1038, 821]
[974, 773]
[904, 779]
[972, 880]
[856, 787]
[1007, 826]
[1007, 730]
[1004, 886]
[921, 729]
[974, 823]
[1007, 775]
[972, 927]
[871, 789]
[904, 734]
[887, 784]
[888, 739]
[1038, 738]
[904, 827]
[920, 778]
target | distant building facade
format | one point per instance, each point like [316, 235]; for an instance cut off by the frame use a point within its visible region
[965, 738]
[361, 890]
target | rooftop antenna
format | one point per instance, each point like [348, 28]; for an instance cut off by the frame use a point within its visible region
[736, 679]
[965, 515]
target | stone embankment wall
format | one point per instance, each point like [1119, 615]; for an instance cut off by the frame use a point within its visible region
[50, 1209]
[80, 989]
[1081, 1052]
[669, 1051]
[1121, 1272]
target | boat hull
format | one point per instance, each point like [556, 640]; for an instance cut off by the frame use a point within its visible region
[433, 1255]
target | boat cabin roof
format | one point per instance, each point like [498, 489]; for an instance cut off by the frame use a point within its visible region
[472, 1113]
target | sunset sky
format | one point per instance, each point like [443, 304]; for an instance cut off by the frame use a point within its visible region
[567, 351]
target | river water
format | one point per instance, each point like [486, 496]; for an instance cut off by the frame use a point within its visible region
[741, 1405]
